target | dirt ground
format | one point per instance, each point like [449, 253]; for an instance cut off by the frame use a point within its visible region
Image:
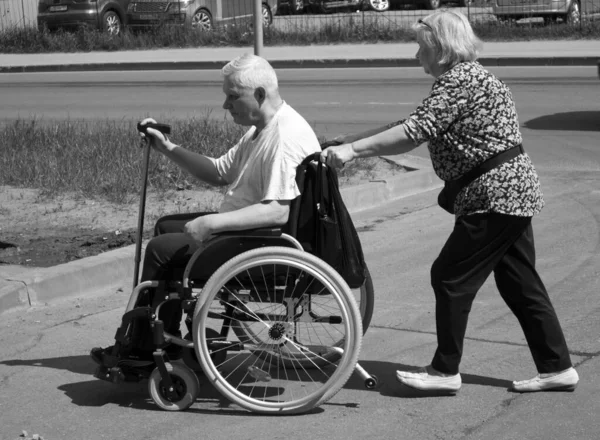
[38, 231]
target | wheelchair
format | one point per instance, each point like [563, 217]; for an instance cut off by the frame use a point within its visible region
[273, 328]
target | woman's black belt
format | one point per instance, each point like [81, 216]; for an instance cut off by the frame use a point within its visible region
[453, 187]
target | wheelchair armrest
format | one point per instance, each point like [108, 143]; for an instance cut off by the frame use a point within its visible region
[259, 232]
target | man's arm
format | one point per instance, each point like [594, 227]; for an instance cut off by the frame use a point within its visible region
[260, 215]
[196, 164]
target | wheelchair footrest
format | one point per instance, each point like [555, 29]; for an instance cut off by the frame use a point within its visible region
[117, 375]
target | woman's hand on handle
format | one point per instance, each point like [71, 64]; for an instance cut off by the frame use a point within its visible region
[337, 156]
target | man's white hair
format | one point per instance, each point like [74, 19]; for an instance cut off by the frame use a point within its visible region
[250, 72]
[450, 35]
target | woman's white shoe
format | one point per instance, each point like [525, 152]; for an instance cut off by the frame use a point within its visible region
[562, 381]
[428, 379]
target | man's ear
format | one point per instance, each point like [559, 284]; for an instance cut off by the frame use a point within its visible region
[260, 95]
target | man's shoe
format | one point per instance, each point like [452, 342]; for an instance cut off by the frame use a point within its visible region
[429, 379]
[133, 358]
[562, 381]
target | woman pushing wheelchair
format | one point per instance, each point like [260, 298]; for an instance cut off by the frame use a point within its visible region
[470, 123]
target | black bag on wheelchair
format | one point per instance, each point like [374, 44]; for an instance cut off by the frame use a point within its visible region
[321, 223]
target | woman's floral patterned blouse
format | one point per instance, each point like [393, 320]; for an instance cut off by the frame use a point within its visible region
[468, 117]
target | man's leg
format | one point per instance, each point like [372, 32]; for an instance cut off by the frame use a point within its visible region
[165, 257]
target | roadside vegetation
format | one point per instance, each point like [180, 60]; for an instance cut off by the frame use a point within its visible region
[353, 28]
[104, 159]
[101, 158]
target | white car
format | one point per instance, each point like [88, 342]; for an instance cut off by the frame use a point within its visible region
[569, 11]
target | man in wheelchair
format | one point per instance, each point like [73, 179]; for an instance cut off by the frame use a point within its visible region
[260, 171]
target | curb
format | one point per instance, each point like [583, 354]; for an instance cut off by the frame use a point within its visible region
[38, 286]
[113, 269]
[292, 64]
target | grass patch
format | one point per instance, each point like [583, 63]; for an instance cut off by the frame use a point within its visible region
[301, 31]
[101, 158]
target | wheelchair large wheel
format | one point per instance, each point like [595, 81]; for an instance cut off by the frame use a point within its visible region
[365, 299]
[300, 330]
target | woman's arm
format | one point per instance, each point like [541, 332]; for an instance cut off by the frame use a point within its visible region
[390, 141]
[349, 138]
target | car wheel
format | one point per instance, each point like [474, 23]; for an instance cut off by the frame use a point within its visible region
[111, 23]
[202, 20]
[267, 17]
[574, 14]
[379, 5]
[432, 4]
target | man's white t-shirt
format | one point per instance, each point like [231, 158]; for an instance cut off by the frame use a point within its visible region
[265, 168]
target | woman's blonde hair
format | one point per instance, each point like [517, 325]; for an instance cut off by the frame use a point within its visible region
[450, 35]
[251, 71]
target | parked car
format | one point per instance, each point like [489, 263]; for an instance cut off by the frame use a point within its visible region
[105, 15]
[291, 6]
[199, 14]
[384, 5]
[328, 6]
[569, 11]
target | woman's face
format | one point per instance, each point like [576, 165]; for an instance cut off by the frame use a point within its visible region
[428, 59]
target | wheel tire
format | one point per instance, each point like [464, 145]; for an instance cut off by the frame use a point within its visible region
[367, 301]
[379, 5]
[111, 23]
[267, 16]
[202, 20]
[270, 387]
[432, 4]
[185, 382]
[573, 16]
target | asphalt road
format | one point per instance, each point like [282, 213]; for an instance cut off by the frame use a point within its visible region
[333, 100]
[45, 374]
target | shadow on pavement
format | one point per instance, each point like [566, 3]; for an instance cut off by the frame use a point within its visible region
[568, 121]
[96, 393]
[389, 386]
[75, 364]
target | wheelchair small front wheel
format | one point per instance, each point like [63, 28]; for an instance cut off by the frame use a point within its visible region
[185, 388]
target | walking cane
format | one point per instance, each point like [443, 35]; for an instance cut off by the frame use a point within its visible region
[165, 129]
